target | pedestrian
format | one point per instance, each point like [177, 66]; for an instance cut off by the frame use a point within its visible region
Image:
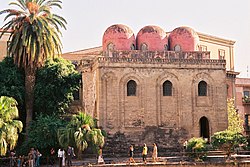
[100, 157]
[30, 159]
[185, 145]
[33, 156]
[12, 158]
[70, 155]
[131, 154]
[61, 155]
[19, 161]
[144, 153]
[64, 159]
[155, 153]
[52, 156]
[38, 155]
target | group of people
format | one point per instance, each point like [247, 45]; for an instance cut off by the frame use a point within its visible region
[65, 156]
[144, 153]
[32, 160]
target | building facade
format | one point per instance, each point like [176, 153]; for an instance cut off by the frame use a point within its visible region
[243, 101]
[156, 87]
[3, 44]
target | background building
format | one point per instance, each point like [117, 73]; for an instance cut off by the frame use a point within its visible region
[3, 44]
[243, 101]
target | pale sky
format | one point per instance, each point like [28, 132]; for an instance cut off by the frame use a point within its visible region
[88, 19]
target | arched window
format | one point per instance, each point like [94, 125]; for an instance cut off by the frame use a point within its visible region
[132, 47]
[177, 48]
[111, 47]
[131, 88]
[202, 88]
[144, 47]
[167, 88]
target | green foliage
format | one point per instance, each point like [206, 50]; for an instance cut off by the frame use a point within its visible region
[11, 80]
[36, 33]
[81, 132]
[9, 127]
[197, 148]
[35, 36]
[235, 123]
[43, 133]
[228, 140]
[55, 85]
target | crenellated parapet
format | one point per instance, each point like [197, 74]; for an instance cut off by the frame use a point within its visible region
[159, 61]
[160, 58]
[158, 54]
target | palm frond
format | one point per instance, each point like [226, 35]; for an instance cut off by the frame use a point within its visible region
[18, 4]
[3, 146]
[22, 4]
[9, 128]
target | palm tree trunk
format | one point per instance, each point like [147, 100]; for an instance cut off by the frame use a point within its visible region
[29, 95]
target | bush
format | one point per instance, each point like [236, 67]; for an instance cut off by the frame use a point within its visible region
[43, 134]
[197, 149]
[227, 141]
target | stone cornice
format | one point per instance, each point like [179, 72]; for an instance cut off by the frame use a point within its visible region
[214, 39]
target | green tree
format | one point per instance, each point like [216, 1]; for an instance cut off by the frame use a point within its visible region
[43, 133]
[35, 36]
[9, 127]
[55, 84]
[11, 80]
[228, 140]
[235, 123]
[81, 132]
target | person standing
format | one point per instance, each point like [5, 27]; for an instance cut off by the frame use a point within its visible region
[131, 154]
[155, 153]
[33, 152]
[30, 159]
[64, 159]
[70, 155]
[52, 156]
[144, 153]
[38, 156]
[19, 161]
[100, 157]
[185, 145]
[12, 158]
[61, 154]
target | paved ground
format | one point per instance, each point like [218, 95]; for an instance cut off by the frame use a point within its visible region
[163, 161]
[119, 162]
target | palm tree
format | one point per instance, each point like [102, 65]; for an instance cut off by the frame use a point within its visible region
[35, 37]
[81, 131]
[9, 128]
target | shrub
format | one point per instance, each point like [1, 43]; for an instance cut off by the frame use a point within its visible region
[228, 140]
[197, 148]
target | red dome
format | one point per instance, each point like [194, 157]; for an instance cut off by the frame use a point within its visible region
[184, 39]
[118, 37]
[152, 38]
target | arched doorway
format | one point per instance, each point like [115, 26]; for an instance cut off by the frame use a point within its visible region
[204, 128]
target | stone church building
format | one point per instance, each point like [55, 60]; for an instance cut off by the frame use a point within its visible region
[157, 86]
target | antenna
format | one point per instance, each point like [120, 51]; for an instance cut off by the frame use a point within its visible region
[247, 71]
